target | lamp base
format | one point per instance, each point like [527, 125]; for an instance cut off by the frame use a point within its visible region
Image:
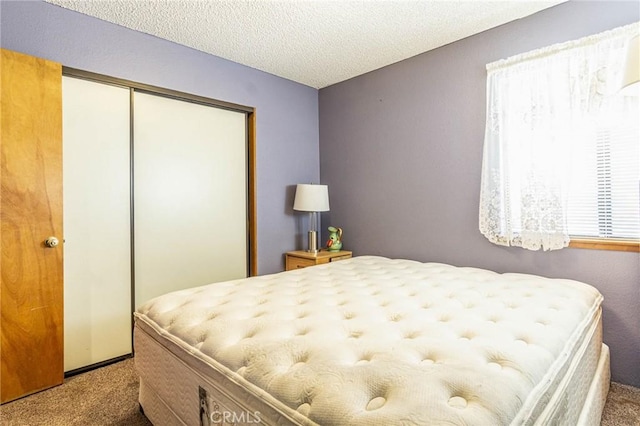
[313, 242]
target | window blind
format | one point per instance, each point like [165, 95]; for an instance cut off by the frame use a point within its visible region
[604, 200]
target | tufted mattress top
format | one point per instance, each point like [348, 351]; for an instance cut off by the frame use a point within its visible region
[372, 340]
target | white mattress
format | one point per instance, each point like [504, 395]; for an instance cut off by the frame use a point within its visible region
[372, 340]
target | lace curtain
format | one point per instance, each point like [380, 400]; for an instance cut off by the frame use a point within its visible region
[539, 105]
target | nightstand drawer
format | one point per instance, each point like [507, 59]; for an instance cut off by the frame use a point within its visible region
[302, 259]
[298, 262]
[335, 259]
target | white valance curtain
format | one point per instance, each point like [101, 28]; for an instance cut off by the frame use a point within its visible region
[539, 105]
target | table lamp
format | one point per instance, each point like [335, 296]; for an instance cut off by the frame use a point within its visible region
[631, 72]
[313, 199]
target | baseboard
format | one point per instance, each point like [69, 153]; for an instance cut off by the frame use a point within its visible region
[86, 368]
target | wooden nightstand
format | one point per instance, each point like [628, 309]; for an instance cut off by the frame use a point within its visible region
[301, 259]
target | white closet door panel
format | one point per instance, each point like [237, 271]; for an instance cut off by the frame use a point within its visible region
[97, 265]
[190, 195]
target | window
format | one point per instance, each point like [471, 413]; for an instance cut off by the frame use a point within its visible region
[561, 153]
[604, 204]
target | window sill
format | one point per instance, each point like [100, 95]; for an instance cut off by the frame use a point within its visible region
[603, 244]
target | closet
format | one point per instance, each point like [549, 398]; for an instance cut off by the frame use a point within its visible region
[155, 201]
[157, 192]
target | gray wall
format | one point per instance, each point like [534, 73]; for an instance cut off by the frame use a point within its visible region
[401, 151]
[287, 112]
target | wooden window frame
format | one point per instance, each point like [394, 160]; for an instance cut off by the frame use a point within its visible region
[605, 244]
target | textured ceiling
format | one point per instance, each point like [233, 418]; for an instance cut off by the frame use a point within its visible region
[313, 42]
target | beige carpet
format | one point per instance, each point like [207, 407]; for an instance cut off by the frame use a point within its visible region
[105, 396]
[109, 396]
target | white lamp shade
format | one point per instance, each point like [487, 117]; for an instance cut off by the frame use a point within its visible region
[631, 72]
[311, 198]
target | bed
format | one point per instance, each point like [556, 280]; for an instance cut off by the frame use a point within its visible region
[374, 341]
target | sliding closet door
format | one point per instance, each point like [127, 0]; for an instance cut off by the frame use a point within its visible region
[190, 168]
[97, 265]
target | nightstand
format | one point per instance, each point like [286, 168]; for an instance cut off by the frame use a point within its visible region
[301, 259]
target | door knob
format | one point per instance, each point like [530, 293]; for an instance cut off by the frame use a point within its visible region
[51, 242]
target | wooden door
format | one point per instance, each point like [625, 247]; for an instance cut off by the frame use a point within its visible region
[31, 348]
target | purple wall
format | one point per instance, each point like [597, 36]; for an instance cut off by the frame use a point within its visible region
[401, 151]
[400, 147]
[287, 112]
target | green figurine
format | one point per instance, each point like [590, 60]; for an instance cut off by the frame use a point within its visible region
[335, 239]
